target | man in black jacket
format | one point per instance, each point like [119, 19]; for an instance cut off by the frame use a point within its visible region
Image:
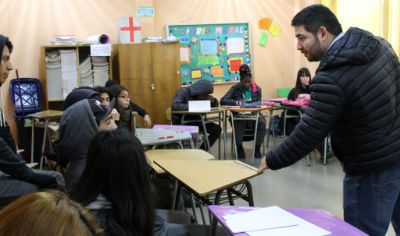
[355, 96]
[16, 178]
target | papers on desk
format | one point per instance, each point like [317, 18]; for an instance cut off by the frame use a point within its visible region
[199, 105]
[271, 221]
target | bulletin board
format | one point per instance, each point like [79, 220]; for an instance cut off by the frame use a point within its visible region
[212, 51]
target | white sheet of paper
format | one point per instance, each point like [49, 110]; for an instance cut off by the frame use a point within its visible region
[303, 228]
[101, 50]
[272, 221]
[200, 105]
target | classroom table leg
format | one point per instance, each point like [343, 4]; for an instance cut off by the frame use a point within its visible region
[33, 140]
[224, 130]
[203, 123]
[177, 191]
[42, 157]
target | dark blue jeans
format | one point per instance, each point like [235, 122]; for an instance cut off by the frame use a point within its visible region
[372, 200]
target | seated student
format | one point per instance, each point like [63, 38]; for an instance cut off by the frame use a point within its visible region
[78, 125]
[105, 98]
[116, 187]
[200, 90]
[122, 93]
[245, 91]
[16, 179]
[47, 213]
[300, 90]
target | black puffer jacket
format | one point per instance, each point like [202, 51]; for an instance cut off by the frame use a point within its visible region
[355, 95]
[235, 94]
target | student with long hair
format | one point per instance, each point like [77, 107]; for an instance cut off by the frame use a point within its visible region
[245, 91]
[302, 86]
[47, 213]
[125, 106]
[116, 187]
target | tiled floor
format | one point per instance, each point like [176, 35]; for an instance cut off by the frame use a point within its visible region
[299, 186]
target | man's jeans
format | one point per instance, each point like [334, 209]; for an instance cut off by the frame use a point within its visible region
[372, 200]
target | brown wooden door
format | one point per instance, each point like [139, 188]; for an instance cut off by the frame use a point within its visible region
[135, 74]
[166, 68]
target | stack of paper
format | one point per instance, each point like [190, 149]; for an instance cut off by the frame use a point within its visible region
[272, 221]
[100, 70]
[64, 40]
[53, 71]
[86, 74]
[69, 73]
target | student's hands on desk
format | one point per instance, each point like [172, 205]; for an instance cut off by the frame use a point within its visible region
[263, 165]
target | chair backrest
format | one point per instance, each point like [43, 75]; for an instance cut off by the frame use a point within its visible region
[282, 92]
[26, 96]
[168, 114]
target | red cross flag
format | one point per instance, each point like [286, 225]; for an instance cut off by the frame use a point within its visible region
[129, 30]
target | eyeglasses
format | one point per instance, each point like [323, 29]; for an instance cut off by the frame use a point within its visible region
[125, 97]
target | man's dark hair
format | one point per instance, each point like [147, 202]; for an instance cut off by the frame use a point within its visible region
[315, 16]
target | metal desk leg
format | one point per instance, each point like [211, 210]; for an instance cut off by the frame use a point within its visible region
[255, 139]
[33, 140]
[203, 123]
[214, 221]
[46, 125]
[224, 120]
[234, 137]
[325, 148]
[175, 201]
[219, 138]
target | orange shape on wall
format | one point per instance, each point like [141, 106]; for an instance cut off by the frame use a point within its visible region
[264, 23]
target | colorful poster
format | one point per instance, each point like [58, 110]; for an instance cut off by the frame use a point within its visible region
[208, 47]
[212, 51]
[235, 45]
[196, 74]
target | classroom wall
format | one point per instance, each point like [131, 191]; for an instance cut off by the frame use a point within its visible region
[31, 24]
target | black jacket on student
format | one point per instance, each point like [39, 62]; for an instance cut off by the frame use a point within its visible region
[200, 90]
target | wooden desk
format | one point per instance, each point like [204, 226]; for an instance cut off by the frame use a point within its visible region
[321, 218]
[205, 177]
[202, 118]
[154, 137]
[46, 115]
[175, 154]
[236, 115]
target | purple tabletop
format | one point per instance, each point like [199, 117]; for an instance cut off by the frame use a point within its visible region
[321, 218]
[191, 129]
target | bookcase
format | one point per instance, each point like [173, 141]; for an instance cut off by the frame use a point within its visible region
[151, 74]
[65, 67]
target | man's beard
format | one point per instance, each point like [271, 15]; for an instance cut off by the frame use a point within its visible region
[316, 52]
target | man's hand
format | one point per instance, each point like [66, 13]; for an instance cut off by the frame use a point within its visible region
[263, 165]
[147, 120]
